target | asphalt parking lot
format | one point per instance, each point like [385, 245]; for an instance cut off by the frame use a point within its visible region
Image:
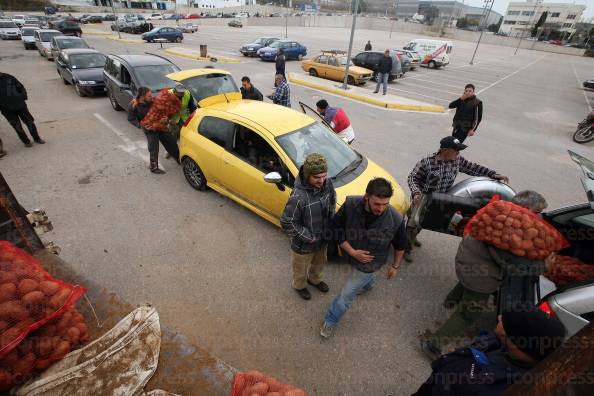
[219, 273]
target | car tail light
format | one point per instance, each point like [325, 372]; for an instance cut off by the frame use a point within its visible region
[546, 308]
[189, 118]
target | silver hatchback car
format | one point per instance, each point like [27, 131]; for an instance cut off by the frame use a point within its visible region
[9, 30]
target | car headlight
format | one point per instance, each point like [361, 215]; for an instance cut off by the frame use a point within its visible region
[86, 82]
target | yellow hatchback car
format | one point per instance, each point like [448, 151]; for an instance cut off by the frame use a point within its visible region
[331, 65]
[251, 151]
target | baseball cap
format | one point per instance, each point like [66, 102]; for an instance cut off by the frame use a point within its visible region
[452, 143]
[179, 88]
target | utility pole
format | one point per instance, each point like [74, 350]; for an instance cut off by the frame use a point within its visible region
[116, 19]
[529, 24]
[395, 17]
[287, 19]
[489, 7]
[346, 69]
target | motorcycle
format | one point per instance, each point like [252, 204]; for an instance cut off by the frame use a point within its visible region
[585, 130]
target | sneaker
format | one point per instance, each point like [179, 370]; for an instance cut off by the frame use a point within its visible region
[40, 141]
[303, 293]
[326, 331]
[430, 350]
[167, 156]
[157, 171]
[374, 91]
[28, 144]
[322, 286]
[408, 257]
[417, 243]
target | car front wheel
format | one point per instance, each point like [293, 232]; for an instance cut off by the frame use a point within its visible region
[78, 91]
[194, 174]
[114, 102]
[300, 57]
[178, 40]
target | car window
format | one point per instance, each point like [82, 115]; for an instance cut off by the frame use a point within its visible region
[36, 35]
[47, 36]
[8, 25]
[125, 77]
[209, 85]
[154, 77]
[28, 32]
[217, 130]
[332, 61]
[66, 43]
[252, 148]
[317, 138]
[322, 59]
[87, 61]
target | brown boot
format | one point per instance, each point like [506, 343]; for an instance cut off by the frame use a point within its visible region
[154, 167]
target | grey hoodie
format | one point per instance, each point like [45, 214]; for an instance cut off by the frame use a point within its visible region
[308, 214]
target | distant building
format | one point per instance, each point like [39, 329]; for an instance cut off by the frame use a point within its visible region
[406, 8]
[170, 4]
[452, 10]
[521, 17]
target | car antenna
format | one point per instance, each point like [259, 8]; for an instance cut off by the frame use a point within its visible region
[226, 98]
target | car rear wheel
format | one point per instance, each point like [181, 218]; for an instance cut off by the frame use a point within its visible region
[313, 72]
[64, 81]
[114, 102]
[432, 65]
[194, 174]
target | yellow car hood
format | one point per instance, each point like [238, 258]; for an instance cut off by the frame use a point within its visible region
[359, 70]
[357, 187]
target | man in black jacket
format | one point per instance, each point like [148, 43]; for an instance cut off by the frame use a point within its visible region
[496, 360]
[383, 72]
[248, 91]
[365, 228]
[307, 220]
[280, 62]
[469, 113]
[13, 106]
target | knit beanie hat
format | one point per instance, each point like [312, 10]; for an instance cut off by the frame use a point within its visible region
[533, 332]
[314, 164]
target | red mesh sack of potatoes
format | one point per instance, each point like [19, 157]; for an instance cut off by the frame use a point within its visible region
[29, 296]
[567, 269]
[42, 347]
[254, 383]
[516, 229]
[164, 107]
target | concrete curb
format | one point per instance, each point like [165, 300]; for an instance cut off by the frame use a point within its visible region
[361, 98]
[96, 33]
[200, 58]
[124, 40]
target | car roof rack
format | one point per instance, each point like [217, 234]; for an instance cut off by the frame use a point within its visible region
[334, 51]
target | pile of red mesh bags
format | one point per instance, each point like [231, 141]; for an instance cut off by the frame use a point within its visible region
[254, 383]
[569, 269]
[510, 227]
[164, 107]
[38, 324]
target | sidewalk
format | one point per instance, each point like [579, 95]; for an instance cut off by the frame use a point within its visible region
[195, 55]
[388, 101]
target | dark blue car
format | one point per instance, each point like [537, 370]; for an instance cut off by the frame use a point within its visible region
[164, 32]
[292, 50]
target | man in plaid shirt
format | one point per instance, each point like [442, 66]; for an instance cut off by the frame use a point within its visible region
[437, 173]
[282, 94]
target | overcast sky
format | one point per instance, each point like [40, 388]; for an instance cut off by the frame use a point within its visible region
[501, 5]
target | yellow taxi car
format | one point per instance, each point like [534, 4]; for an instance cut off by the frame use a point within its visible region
[331, 65]
[251, 151]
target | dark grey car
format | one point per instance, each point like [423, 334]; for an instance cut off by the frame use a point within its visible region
[371, 60]
[124, 74]
[60, 43]
[251, 49]
[83, 68]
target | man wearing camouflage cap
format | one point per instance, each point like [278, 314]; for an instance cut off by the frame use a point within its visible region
[307, 220]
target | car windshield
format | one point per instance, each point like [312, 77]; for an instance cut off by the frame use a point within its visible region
[87, 61]
[28, 32]
[47, 36]
[209, 85]
[68, 43]
[7, 25]
[317, 138]
[260, 41]
[153, 77]
[69, 24]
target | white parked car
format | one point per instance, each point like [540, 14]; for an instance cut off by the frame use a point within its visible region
[19, 20]
[28, 36]
[155, 17]
[9, 31]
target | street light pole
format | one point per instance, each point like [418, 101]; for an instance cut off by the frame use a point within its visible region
[486, 18]
[395, 17]
[116, 19]
[346, 70]
[287, 19]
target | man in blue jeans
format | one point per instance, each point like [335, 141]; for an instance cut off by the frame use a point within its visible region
[383, 72]
[365, 228]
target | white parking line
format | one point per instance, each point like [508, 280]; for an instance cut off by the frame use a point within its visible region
[510, 75]
[136, 149]
[580, 84]
[419, 94]
[413, 84]
[431, 81]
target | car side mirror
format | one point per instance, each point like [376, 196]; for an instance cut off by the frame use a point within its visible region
[273, 178]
